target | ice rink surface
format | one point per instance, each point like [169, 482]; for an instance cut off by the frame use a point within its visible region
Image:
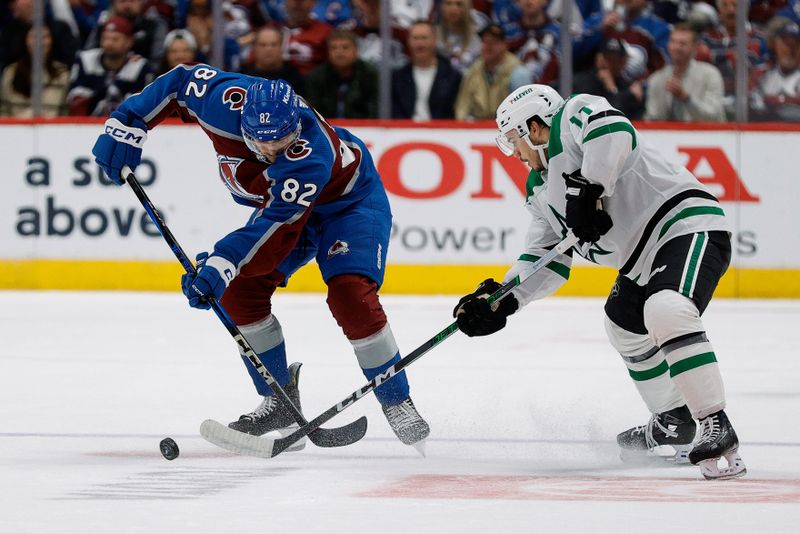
[523, 424]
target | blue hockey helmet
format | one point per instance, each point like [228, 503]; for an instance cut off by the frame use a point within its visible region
[270, 113]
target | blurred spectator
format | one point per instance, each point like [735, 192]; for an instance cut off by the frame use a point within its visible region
[672, 11]
[149, 29]
[273, 11]
[495, 74]
[427, 87]
[337, 13]
[305, 37]
[607, 79]
[407, 12]
[268, 60]
[370, 45]
[103, 77]
[718, 47]
[344, 87]
[457, 34]
[761, 11]
[14, 35]
[686, 90]
[200, 22]
[180, 46]
[777, 96]
[633, 22]
[537, 44]
[15, 83]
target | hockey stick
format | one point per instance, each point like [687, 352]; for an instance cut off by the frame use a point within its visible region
[268, 448]
[322, 437]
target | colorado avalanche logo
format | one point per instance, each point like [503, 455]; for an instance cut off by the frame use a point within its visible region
[234, 97]
[227, 173]
[339, 247]
[298, 150]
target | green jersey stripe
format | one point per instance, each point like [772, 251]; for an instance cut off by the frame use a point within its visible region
[558, 268]
[690, 271]
[690, 212]
[692, 362]
[612, 128]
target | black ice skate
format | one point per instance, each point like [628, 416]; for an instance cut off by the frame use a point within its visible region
[407, 424]
[272, 414]
[667, 436]
[717, 439]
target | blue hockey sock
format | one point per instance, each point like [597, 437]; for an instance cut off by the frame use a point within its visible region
[393, 391]
[275, 361]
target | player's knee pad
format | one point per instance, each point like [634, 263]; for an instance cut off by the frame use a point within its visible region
[353, 301]
[669, 315]
[632, 346]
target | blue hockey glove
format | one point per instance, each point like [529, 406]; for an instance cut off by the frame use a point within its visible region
[118, 146]
[474, 315]
[213, 275]
[585, 215]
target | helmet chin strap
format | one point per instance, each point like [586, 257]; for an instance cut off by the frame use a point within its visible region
[538, 148]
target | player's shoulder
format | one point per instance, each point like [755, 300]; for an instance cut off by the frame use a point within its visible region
[215, 96]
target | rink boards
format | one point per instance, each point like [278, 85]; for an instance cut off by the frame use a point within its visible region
[457, 203]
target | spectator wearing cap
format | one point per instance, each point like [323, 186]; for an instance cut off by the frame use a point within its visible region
[426, 88]
[149, 29]
[632, 21]
[180, 47]
[344, 87]
[495, 74]
[103, 77]
[686, 90]
[16, 82]
[607, 79]
[777, 96]
[267, 60]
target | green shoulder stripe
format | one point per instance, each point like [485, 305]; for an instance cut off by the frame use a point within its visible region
[611, 128]
[534, 180]
[558, 268]
[554, 146]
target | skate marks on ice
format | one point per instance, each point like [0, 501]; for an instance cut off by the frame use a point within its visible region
[169, 482]
[588, 488]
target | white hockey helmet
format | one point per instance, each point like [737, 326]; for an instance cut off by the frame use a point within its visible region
[514, 113]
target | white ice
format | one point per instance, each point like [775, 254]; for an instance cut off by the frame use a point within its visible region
[522, 441]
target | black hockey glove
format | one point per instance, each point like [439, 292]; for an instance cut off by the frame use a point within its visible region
[475, 316]
[585, 216]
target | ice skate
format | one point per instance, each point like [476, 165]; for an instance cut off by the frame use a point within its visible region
[407, 424]
[717, 439]
[272, 414]
[667, 436]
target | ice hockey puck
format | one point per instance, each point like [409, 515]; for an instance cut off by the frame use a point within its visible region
[169, 449]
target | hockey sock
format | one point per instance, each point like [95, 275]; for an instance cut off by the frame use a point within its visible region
[266, 339]
[375, 354]
[395, 390]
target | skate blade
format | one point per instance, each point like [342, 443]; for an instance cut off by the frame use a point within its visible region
[419, 446]
[663, 454]
[712, 471]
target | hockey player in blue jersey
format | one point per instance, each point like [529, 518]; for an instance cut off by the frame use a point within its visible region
[316, 194]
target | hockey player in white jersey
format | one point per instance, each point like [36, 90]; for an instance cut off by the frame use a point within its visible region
[653, 221]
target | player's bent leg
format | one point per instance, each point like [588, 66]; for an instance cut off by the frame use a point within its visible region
[353, 301]
[675, 325]
[669, 433]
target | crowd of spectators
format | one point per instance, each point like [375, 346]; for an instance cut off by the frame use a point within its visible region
[449, 59]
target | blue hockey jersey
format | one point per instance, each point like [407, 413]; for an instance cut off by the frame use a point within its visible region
[326, 170]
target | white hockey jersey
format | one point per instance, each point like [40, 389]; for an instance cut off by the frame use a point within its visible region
[650, 200]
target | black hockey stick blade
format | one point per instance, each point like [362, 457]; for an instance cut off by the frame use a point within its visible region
[332, 437]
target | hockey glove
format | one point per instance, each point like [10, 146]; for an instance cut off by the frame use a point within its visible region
[585, 215]
[208, 282]
[474, 314]
[120, 145]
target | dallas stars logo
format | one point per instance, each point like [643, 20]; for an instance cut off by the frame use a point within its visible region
[594, 250]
